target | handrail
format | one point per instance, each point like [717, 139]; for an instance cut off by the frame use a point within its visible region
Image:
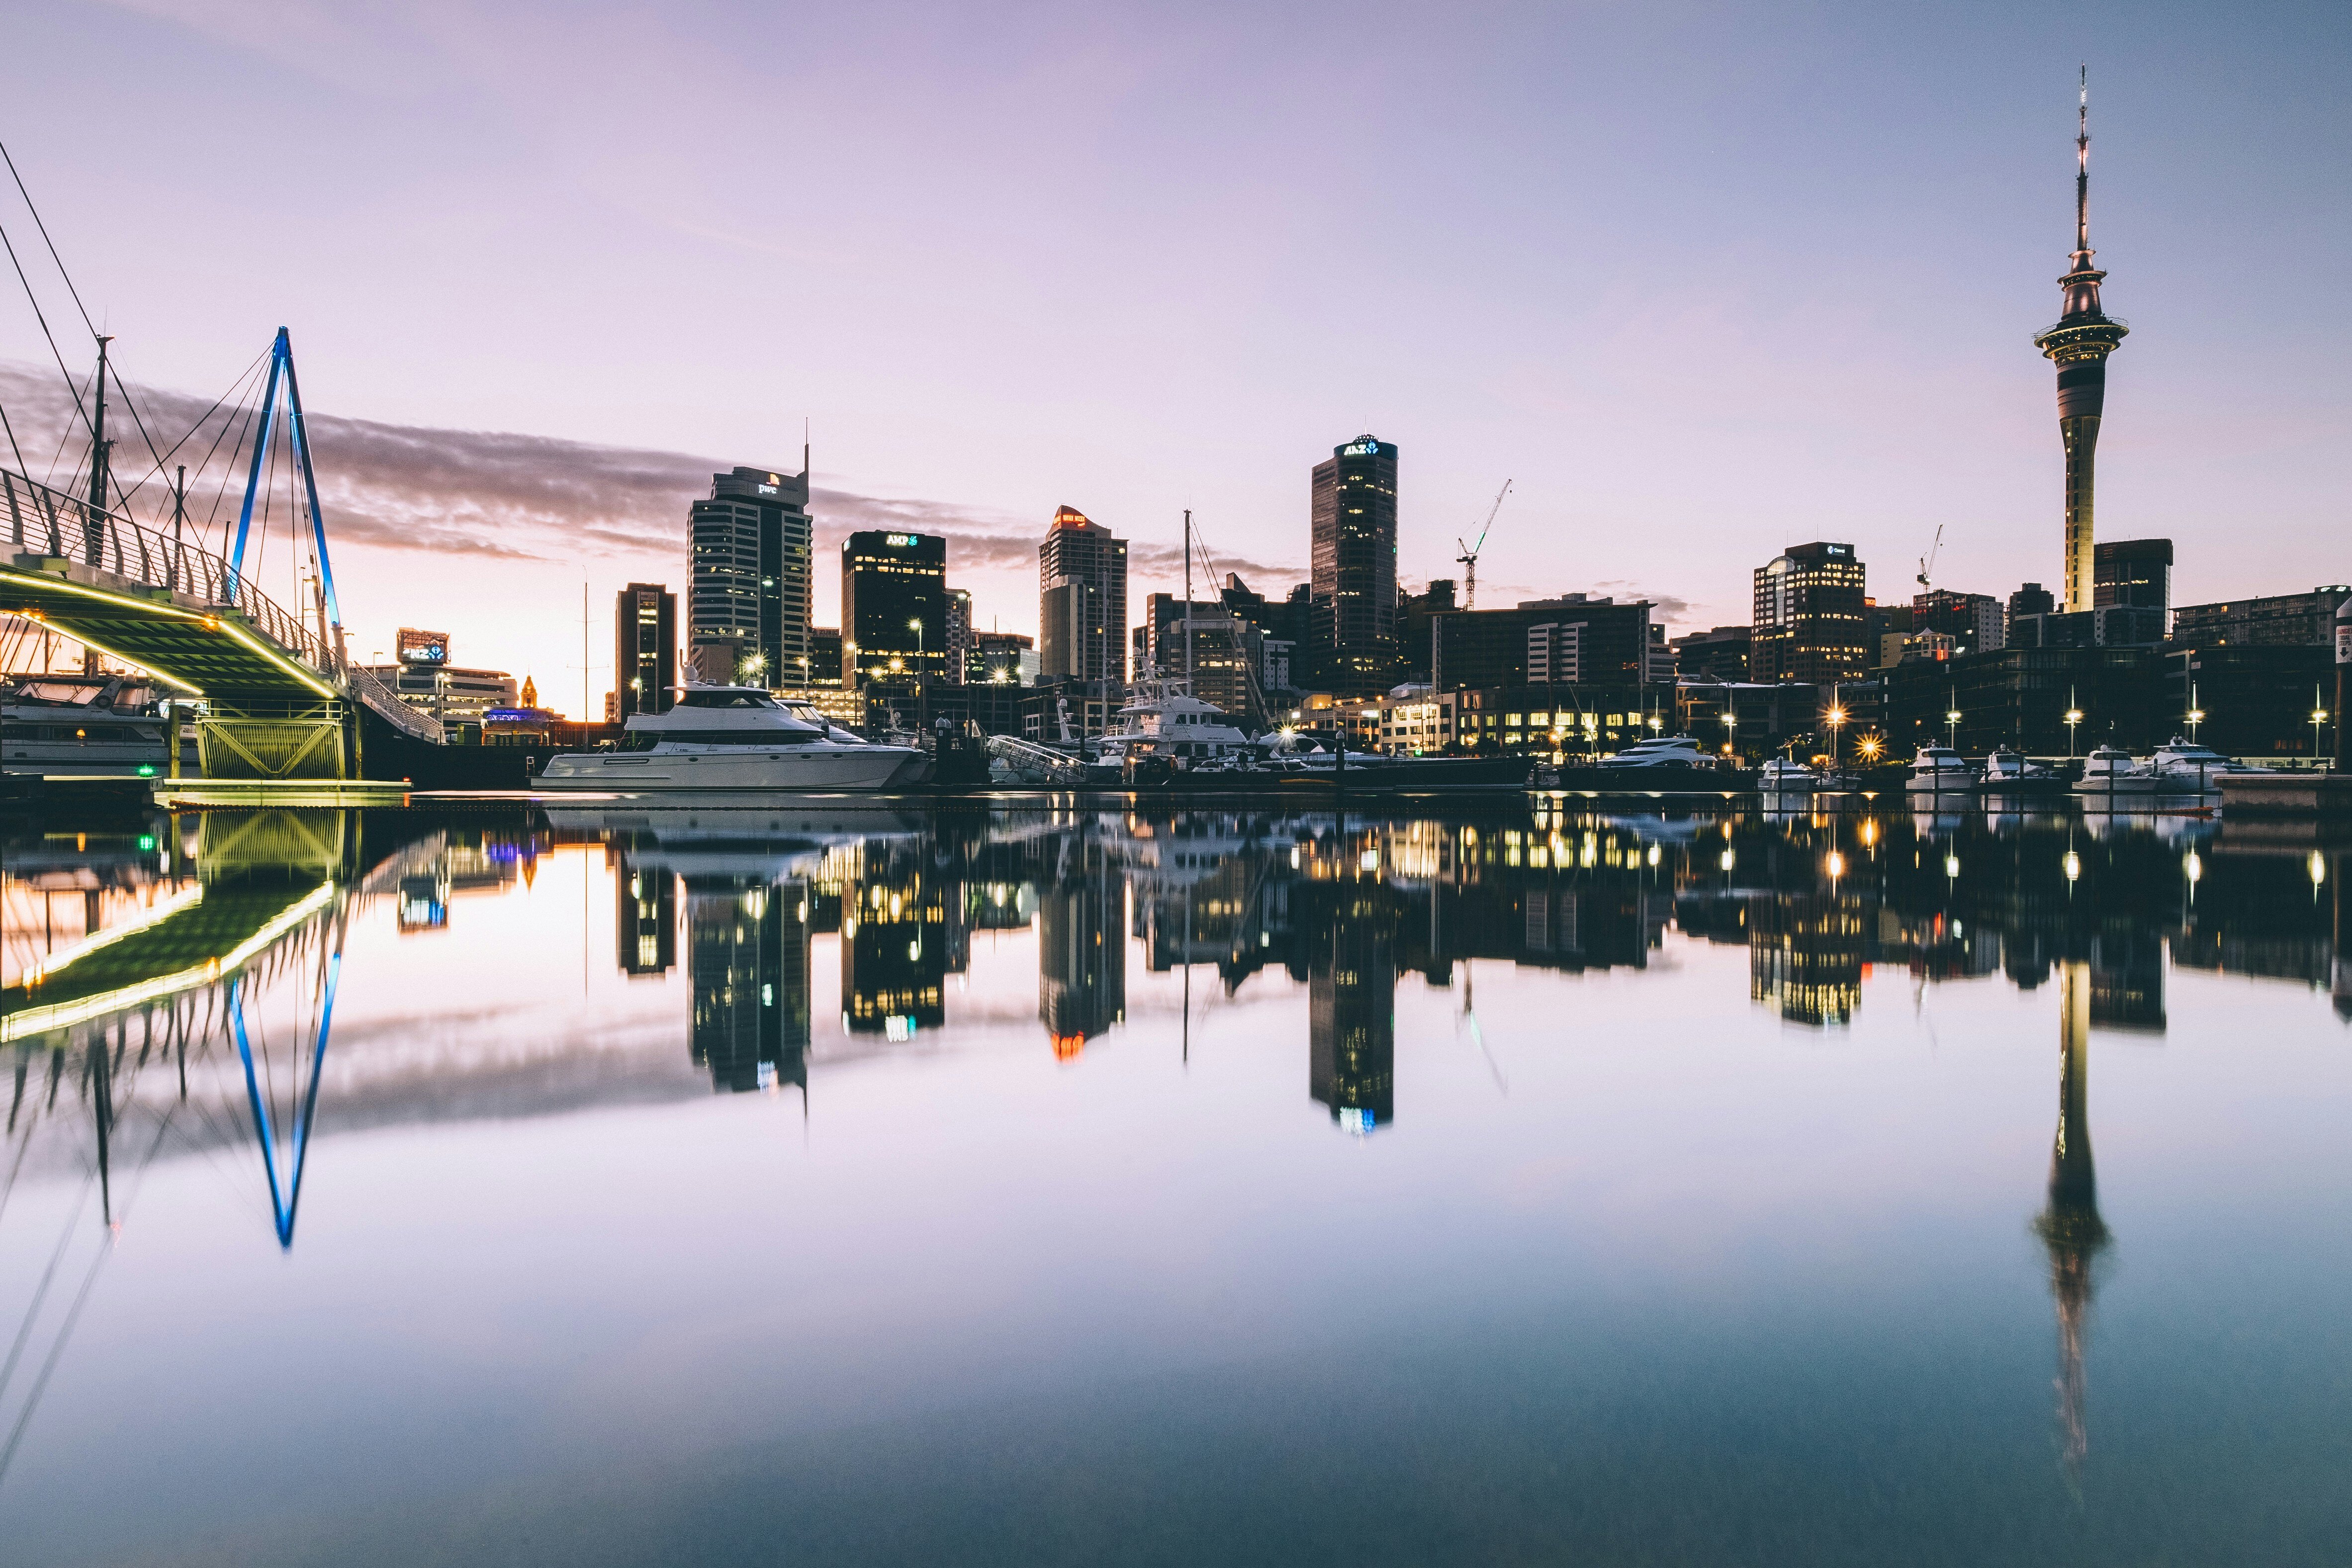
[111, 541]
[1058, 767]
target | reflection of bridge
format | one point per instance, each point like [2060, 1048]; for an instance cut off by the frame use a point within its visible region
[282, 698]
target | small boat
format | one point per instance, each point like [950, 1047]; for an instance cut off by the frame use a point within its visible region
[1782, 776]
[734, 740]
[2110, 774]
[1940, 769]
[81, 724]
[2185, 766]
[2008, 774]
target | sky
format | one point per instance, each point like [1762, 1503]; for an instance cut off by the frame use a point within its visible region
[1701, 279]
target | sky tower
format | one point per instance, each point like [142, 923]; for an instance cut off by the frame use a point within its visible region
[2079, 345]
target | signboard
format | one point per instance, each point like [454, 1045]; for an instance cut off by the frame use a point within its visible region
[423, 647]
[901, 541]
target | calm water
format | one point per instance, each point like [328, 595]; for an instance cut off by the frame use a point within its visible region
[1083, 1188]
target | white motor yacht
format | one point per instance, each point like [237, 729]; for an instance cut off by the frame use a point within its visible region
[1162, 718]
[80, 724]
[1940, 769]
[2185, 764]
[2109, 774]
[1660, 751]
[732, 739]
[1782, 776]
[2009, 774]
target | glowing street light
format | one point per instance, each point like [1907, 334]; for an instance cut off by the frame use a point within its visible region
[2073, 717]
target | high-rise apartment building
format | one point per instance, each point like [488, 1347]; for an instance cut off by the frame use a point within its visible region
[747, 603]
[894, 605]
[1352, 570]
[1810, 622]
[961, 645]
[1082, 601]
[644, 649]
[1976, 623]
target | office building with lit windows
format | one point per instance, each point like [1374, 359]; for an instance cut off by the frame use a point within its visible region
[893, 606]
[645, 650]
[748, 603]
[1351, 580]
[1082, 601]
[1810, 622]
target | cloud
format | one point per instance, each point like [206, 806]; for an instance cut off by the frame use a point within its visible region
[459, 492]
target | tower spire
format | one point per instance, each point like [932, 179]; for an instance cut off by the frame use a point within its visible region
[2083, 170]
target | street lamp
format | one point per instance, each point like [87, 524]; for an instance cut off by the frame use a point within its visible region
[1833, 718]
[2318, 717]
[1869, 746]
[1952, 728]
[2073, 717]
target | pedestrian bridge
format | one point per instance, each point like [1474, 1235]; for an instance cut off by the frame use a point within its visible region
[279, 699]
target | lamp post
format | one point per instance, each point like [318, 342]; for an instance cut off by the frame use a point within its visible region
[2073, 717]
[915, 624]
[2318, 717]
[1834, 718]
[1952, 728]
[2195, 715]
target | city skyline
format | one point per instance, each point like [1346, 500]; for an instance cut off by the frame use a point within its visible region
[1565, 366]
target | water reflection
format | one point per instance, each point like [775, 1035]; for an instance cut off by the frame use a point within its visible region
[168, 986]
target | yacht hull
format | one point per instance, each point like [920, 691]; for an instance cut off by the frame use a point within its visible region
[794, 770]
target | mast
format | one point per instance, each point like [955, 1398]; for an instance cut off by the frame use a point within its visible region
[1188, 601]
[94, 522]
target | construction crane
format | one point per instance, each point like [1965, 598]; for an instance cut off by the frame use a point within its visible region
[1927, 562]
[1469, 556]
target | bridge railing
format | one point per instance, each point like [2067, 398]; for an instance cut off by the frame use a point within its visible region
[50, 523]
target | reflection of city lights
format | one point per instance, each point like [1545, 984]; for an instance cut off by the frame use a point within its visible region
[1653, 854]
[1836, 863]
[1727, 861]
[1370, 860]
[2193, 866]
[2318, 869]
[1356, 1120]
[1869, 834]
[1951, 865]
[2073, 865]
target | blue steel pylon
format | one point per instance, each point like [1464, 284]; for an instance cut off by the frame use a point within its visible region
[285, 1196]
[281, 364]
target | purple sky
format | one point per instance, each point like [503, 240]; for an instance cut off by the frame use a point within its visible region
[1705, 280]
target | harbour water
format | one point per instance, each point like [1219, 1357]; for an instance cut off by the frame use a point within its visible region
[1036, 1187]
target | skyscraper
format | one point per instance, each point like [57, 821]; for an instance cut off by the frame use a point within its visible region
[959, 643]
[2079, 346]
[748, 604]
[1082, 601]
[894, 605]
[1810, 621]
[1352, 574]
[2132, 572]
[644, 649]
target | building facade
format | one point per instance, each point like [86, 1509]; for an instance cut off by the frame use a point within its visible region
[747, 597]
[1720, 653]
[1082, 600]
[959, 636]
[2136, 572]
[1975, 623]
[1810, 621]
[645, 650]
[1573, 639]
[2279, 620]
[1352, 583]
[894, 605]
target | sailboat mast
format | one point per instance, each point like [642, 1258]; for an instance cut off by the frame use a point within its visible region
[1188, 599]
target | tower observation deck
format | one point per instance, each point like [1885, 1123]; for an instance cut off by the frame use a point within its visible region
[2079, 345]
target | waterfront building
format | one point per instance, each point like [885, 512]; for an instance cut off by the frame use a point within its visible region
[2079, 345]
[1573, 639]
[1352, 1014]
[1720, 653]
[1416, 619]
[451, 693]
[1082, 601]
[893, 606]
[1228, 653]
[644, 924]
[824, 657]
[1352, 587]
[748, 600]
[1810, 622]
[1001, 659]
[1975, 623]
[2030, 599]
[645, 651]
[748, 956]
[2278, 620]
[2116, 626]
[1081, 949]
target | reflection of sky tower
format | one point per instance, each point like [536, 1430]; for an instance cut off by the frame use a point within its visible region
[2079, 345]
[2071, 1226]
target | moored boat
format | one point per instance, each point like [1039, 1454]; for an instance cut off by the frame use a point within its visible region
[735, 740]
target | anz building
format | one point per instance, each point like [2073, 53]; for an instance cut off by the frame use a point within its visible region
[748, 608]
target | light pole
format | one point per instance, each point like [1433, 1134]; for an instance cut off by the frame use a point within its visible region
[2196, 714]
[1952, 729]
[1834, 718]
[2073, 717]
[2318, 717]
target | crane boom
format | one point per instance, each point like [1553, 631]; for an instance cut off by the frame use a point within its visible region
[1469, 556]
